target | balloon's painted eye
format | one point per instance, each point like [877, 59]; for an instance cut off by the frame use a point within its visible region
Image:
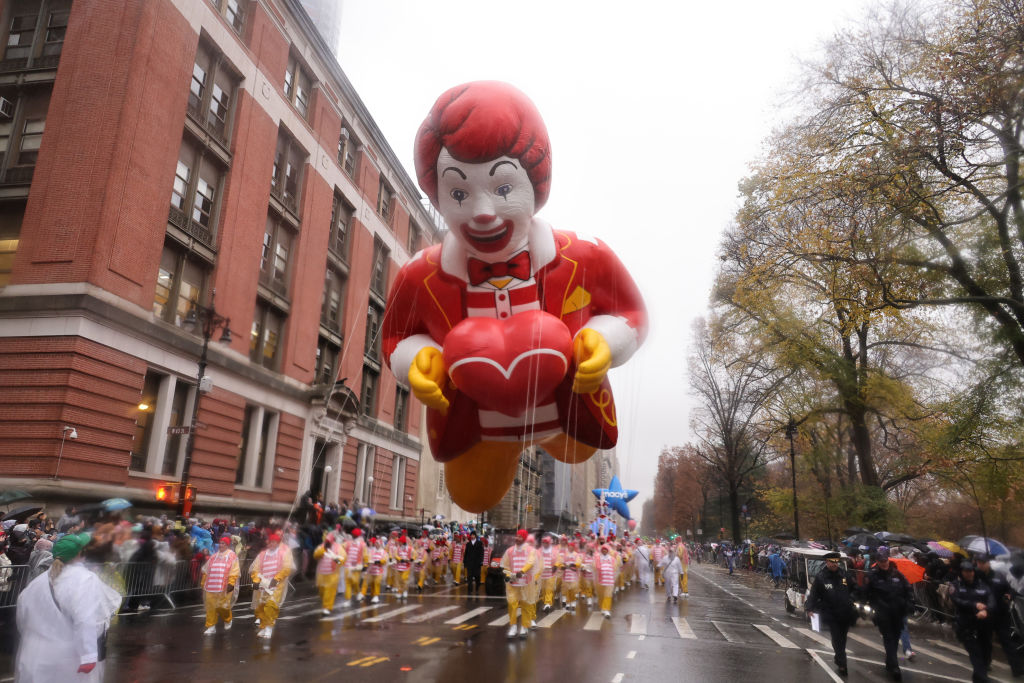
[459, 195]
[503, 191]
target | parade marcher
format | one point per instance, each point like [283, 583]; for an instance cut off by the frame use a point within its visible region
[657, 555]
[891, 599]
[329, 557]
[778, 566]
[975, 604]
[420, 562]
[219, 579]
[488, 551]
[62, 617]
[587, 574]
[519, 572]
[458, 550]
[269, 572]
[561, 551]
[531, 596]
[548, 558]
[376, 563]
[473, 559]
[671, 568]
[645, 571]
[606, 566]
[402, 558]
[684, 561]
[730, 558]
[355, 561]
[1000, 617]
[390, 575]
[831, 598]
[439, 561]
[571, 562]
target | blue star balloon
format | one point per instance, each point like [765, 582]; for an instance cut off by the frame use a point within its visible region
[616, 497]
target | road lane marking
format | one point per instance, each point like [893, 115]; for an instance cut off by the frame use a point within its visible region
[631, 654]
[683, 628]
[825, 667]
[464, 627]
[500, 621]
[549, 620]
[374, 660]
[948, 646]
[392, 613]
[350, 613]
[870, 643]
[594, 622]
[777, 637]
[906, 668]
[357, 662]
[426, 640]
[721, 629]
[808, 633]
[638, 624]
[617, 678]
[428, 615]
[468, 615]
[996, 664]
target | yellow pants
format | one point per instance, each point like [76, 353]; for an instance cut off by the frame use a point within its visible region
[684, 581]
[266, 612]
[483, 573]
[457, 572]
[604, 594]
[327, 585]
[217, 605]
[515, 597]
[548, 589]
[401, 580]
[569, 590]
[587, 588]
[658, 581]
[371, 581]
[421, 576]
[439, 572]
[351, 582]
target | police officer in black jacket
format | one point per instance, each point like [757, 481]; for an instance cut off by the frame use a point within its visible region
[891, 599]
[1003, 594]
[975, 604]
[832, 598]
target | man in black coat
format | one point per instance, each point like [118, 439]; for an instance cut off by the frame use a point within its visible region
[473, 559]
[832, 598]
[975, 604]
[891, 599]
[1003, 595]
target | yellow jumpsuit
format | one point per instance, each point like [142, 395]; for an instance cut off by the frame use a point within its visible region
[355, 560]
[218, 603]
[519, 559]
[266, 604]
[327, 581]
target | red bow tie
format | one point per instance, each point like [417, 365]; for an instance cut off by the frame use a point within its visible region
[518, 267]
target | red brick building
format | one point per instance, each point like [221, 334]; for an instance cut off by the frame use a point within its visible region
[158, 152]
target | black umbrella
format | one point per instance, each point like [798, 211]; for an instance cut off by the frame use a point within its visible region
[889, 537]
[13, 496]
[22, 513]
[856, 530]
[860, 539]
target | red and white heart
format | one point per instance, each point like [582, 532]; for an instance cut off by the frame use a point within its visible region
[509, 365]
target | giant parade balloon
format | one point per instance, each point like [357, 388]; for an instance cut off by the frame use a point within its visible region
[507, 329]
[616, 497]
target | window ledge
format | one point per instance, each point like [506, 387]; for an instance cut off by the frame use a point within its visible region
[252, 489]
[169, 478]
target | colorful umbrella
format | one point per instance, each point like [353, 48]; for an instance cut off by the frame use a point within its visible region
[987, 545]
[939, 549]
[114, 504]
[910, 569]
[949, 545]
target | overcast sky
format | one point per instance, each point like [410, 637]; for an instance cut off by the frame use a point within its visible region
[655, 112]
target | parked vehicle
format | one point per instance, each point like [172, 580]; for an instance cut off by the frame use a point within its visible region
[803, 564]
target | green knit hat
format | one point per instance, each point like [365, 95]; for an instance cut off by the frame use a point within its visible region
[69, 545]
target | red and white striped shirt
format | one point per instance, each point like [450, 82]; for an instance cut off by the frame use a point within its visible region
[327, 564]
[549, 558]
[404, 555]
[354, 554]
[377, 555]
[605, 567]
[272, 561]
[571, 572]
[487, 555]
[457, 550]
[517, 560]
[217, 570]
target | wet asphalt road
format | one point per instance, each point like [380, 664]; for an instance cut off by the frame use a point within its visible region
[732, 628]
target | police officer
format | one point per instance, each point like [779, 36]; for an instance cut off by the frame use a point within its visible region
[975, 604]
[831, 597]
[1003, 595]
[891, 599]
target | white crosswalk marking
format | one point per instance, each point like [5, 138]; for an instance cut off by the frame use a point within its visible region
[725, 634]
[462, 618]
[638, 624]
[350, 613]
[683, 628]
[996, 664]
[940, 657]
[500, 621]
[594, 622]
[870, 643]
[429, 615]
[776, 637]
[808, 633]
[549, 620]
[392, 613]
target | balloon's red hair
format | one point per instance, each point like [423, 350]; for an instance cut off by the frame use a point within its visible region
[481, 121]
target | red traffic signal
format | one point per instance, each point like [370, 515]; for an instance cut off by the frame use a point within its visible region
[168, 493]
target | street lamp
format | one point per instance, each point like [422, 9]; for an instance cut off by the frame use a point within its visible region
[790, 433]
[327, 471]
[206, 320]
[67, 433]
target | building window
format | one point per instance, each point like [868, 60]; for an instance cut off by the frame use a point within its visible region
[368, 395]
[233, 12]
[341, 217]
[211, 92]
[11, 216]
[347, 146]
[24, 42]
[401, 407]
[144, 421]
[265, 340]
[363, 490]
[165, 401]
[179, 284]
[276, 255]
[397, 482]
[414, 238]
[371, 344]
[385, 198]
[326, 361]
[379, 276]
[286, 176]
[21, 131]
[333, 310]
[298, 85]
[194, 193]
[256, 447]
[179, 417]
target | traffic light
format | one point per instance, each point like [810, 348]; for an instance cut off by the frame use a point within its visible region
[166, 493]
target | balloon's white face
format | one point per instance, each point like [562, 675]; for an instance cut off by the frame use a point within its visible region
[489, 206]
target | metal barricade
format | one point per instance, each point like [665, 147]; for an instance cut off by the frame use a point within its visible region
[13, 579]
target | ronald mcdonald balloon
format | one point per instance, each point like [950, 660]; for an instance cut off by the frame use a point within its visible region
[507, 329]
